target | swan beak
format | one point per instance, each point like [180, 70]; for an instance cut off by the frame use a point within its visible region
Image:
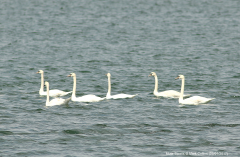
[177, 78]
[69, 75]
[37, 72]
[150, 75]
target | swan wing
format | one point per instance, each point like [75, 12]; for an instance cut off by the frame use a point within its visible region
[57, 92]
[88, 98]
[196, 100]
[169, 94]
[121, 96]
[54, 93]
[58, 101]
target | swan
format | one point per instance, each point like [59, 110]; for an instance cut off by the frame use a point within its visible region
[167, 93]
[56, 101]
[194, 100]
[118, 96]
[53, 92]
[85, 98]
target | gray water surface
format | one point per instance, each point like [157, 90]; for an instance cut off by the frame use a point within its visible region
[129, 39]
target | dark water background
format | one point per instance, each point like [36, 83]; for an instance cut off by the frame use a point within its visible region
[199, 39]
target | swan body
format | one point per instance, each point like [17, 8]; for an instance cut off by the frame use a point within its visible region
[167, 93]
[55, 101]
[53, 92]
[117, 96]
[194, 100]
[85, 98]
[120, 96]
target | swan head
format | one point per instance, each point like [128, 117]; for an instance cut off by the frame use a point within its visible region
[46, 84]
[108, 75]
[71, 75]
[40, 72]
[180, 77]
[152, 74]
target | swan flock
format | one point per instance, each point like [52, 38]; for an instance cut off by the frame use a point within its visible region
[194, 100]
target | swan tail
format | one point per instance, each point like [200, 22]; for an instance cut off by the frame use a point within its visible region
[210, 99]
[69, 92]
[67, 101]
[188, 95]
[64, 93]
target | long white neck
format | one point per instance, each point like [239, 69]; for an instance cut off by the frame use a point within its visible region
[156, 84]
[74, 87]
[182, 90]
[109, 87]
[47, 101]
[42, 83]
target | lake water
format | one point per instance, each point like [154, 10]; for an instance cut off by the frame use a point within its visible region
[129, 39]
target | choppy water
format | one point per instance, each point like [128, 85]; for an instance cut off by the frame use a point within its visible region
[129, 39]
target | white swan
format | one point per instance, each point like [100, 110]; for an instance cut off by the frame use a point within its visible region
[195, 100]
[118, 96]
[85, 98]
[167, 93]
[56, 101]
[53, 92]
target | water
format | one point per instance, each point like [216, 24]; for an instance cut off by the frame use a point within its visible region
[129, 39]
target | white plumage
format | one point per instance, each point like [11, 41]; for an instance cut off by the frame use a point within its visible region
[167, 93]
[117, 96]
[194, 100]
[85, 98]
[53, 92]
[55, 101]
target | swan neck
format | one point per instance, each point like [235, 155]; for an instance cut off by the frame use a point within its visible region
[74, 87]
[156, 84]
[42, 83]
[47, 101]
[109, 87]
[182, 90]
